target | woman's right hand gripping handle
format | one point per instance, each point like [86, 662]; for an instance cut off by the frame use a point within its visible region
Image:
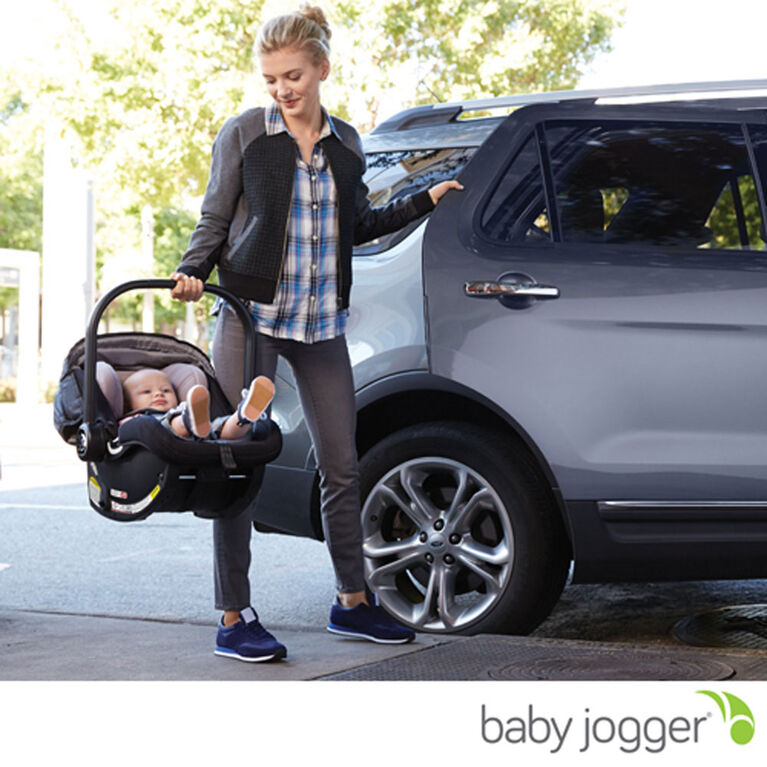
[187, 288]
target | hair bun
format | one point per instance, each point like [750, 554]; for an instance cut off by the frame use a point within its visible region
[317, 15]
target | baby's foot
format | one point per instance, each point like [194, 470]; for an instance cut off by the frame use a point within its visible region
[196, 415]
[255, 400]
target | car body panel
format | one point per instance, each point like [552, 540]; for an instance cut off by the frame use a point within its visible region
[385, 329]
[642, 382]
[622, 381]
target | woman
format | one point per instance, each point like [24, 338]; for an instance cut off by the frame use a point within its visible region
[284, 206]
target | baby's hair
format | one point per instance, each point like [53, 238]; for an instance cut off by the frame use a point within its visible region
[307, 28]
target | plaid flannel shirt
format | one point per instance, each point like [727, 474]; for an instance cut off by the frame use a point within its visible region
[305, 307]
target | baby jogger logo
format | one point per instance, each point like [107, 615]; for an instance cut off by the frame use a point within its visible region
[593, 729]
[741, 720]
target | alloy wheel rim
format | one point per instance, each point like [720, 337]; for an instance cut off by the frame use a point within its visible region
[438, 544]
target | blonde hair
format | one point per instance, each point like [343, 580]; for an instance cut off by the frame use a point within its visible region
[306, 28]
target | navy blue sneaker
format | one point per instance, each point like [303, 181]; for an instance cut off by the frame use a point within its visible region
[248, 640]
[368, 622]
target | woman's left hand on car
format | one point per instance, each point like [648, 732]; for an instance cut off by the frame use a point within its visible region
[438, 192]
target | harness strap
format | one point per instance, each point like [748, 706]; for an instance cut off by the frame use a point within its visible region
[227, 457]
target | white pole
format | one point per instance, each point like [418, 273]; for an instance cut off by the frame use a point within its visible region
[190, 324]
[89, 288]
[147, 260]
[67, 254]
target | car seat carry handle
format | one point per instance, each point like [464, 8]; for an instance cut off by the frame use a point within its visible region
[91, 441]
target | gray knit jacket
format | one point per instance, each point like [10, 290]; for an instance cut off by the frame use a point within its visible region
[243, 226]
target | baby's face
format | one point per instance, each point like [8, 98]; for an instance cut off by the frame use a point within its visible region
[150, 389]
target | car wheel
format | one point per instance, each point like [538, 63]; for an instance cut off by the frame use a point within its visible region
[461, 534]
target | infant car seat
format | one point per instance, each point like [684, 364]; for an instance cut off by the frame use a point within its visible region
[140, 467]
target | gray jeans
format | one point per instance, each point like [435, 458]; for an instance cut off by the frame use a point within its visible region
[326, 391]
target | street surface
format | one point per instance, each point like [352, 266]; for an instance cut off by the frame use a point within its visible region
[57, 555]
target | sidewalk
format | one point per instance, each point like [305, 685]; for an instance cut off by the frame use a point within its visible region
[36, 645]
[75, 647]
[30, 447]
[53, 647]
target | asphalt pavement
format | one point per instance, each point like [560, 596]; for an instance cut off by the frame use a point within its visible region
[78, 622]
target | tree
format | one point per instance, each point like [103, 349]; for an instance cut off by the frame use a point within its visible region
[147, 105]
[21, 175]
[146, 100]
[448, 50]
[21, 197]
[147, 109]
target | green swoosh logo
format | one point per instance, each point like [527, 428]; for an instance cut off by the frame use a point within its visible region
[737, 713]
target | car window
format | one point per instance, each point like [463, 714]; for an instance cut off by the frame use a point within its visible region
[516, 211]
[671, 185]
[758, 137]
[392, 175]
[674, 185]
[734, 219]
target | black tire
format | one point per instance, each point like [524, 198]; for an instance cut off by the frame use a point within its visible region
[497, 568]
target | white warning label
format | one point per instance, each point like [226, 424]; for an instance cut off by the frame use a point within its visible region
[135, 508]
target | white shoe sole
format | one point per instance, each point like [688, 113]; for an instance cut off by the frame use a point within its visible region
[237, 656]
[355, 635]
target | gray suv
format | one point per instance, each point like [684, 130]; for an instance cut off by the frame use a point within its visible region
[564, 370]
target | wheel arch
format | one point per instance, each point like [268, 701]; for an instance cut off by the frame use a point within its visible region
[393, 403]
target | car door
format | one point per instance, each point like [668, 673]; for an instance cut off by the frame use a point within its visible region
[618, 312]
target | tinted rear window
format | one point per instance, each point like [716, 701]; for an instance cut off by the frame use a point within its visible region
[662, 184]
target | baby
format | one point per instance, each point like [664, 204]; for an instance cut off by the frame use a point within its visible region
[150, 389]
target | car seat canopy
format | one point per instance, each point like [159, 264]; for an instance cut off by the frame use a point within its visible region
[126, 352]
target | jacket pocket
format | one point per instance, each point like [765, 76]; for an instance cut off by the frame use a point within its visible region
[241, 238]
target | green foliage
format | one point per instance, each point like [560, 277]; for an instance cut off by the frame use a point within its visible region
[21, 172]
[14, 105]
[723, 221]
[147, 109]
[172, 229]
[21, 205]
[8, 297]
[7, 389]
[144, 100]
[459, 49]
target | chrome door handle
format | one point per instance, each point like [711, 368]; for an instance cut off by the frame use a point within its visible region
[488, 289]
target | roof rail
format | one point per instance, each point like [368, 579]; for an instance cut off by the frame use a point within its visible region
[439, 114]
